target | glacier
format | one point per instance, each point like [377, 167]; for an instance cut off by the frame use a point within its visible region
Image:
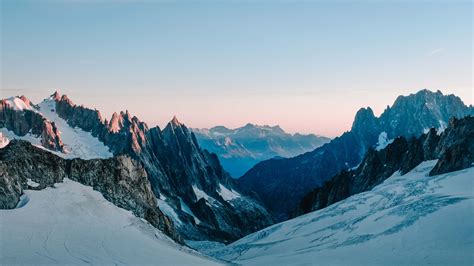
[411, 219]
[73, 224]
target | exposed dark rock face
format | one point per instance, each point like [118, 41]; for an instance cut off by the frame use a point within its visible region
[454, 148]
[175, 164]
[22, 122]
[281, 183]
[412, 114]
[121, 180]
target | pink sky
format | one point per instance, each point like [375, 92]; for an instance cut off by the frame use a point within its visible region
[328, 113]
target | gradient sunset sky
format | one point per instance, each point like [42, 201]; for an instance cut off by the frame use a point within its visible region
[307, 66]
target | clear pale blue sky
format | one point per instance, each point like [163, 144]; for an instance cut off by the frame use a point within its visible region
[307, 66]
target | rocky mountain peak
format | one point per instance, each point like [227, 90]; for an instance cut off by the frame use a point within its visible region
[176, 167]
[363, 115]
[175, 122]
[365, 123]
[56, 96]
[126, 115]
[249, 125]
[454, 149]
[66, 99]
[410, 116]
[26, 101]
[115, 123]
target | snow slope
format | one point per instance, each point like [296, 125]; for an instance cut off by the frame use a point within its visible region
[413, 219]
[227, 194]
[73, 224]
[77, 142]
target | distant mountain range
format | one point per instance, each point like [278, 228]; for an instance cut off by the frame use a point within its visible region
[281, 183]
[241, 148]
[78, 188]
[407, 204]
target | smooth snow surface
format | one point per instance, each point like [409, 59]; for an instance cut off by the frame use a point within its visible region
[73, 224]
[34, 140]
[78, 143]
[413, 219]
[17, 104]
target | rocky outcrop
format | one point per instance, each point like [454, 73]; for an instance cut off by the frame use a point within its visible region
[121, 180]
[28, 121]
[176, 166]
[281, 183]
[454, 149]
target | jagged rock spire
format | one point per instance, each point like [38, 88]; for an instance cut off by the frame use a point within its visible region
[56, 96]
[25, 100]
[175, 122]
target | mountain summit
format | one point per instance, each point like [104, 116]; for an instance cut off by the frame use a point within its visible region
[282, 183]
[188, 183]
[241, 148]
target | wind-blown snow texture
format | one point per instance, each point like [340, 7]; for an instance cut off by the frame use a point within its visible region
[73, 224]
[412, 219]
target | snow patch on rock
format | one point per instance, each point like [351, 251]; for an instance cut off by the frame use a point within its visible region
[227, 194]
[201, 194]
[383, 141]
[32, 183]
[169, 211]
[185, 208]
[77, 142]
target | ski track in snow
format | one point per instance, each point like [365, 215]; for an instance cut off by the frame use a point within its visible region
[73, 224]
[412, 219]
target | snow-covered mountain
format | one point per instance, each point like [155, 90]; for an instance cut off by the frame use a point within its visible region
[454, 147]
[281, 183]
[241, 148]
[72, 224]
[83, 189]
[411, 219]
[72, 142]
[188, 184]
[409, 203]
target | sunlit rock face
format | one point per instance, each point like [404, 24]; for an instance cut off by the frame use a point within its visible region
[19, 116]
[179, 172]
